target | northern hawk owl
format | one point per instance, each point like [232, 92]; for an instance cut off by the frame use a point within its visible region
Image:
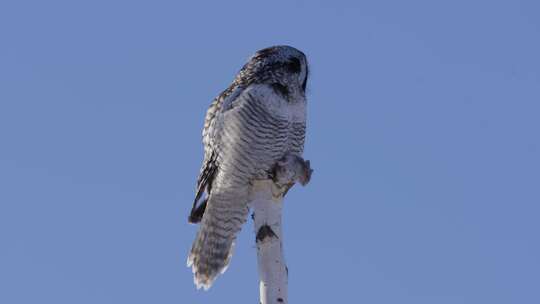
[257, 120]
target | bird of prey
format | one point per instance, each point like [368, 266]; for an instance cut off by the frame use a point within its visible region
[259, 119]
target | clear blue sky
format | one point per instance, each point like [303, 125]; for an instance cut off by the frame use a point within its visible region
[424, 121]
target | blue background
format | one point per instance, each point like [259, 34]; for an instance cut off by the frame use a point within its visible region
[423, 132]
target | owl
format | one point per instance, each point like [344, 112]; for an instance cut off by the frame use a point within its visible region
[248, 128]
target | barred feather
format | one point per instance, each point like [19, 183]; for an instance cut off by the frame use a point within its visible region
[247, 130]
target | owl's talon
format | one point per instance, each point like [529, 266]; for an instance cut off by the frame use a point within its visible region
[305, 175]
[290, 169]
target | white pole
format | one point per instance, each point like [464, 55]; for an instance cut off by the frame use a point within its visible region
[267, 201]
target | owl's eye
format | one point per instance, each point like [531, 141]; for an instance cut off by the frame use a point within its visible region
[293, 65]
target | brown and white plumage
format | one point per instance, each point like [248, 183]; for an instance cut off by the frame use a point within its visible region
[248, 128]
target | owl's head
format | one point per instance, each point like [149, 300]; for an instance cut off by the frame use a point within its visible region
[276, 64]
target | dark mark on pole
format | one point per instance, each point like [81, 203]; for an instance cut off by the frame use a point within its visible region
[265, 232]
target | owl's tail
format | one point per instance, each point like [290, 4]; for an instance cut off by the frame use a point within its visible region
[213, 247]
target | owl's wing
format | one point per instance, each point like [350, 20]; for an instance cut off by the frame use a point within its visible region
[209, 166]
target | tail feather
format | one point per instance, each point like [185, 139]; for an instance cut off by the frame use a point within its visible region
[213, 247]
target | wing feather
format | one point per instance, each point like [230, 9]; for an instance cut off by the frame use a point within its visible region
[209, 166]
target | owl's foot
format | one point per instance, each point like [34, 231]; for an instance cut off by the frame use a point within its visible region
[291, 169]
